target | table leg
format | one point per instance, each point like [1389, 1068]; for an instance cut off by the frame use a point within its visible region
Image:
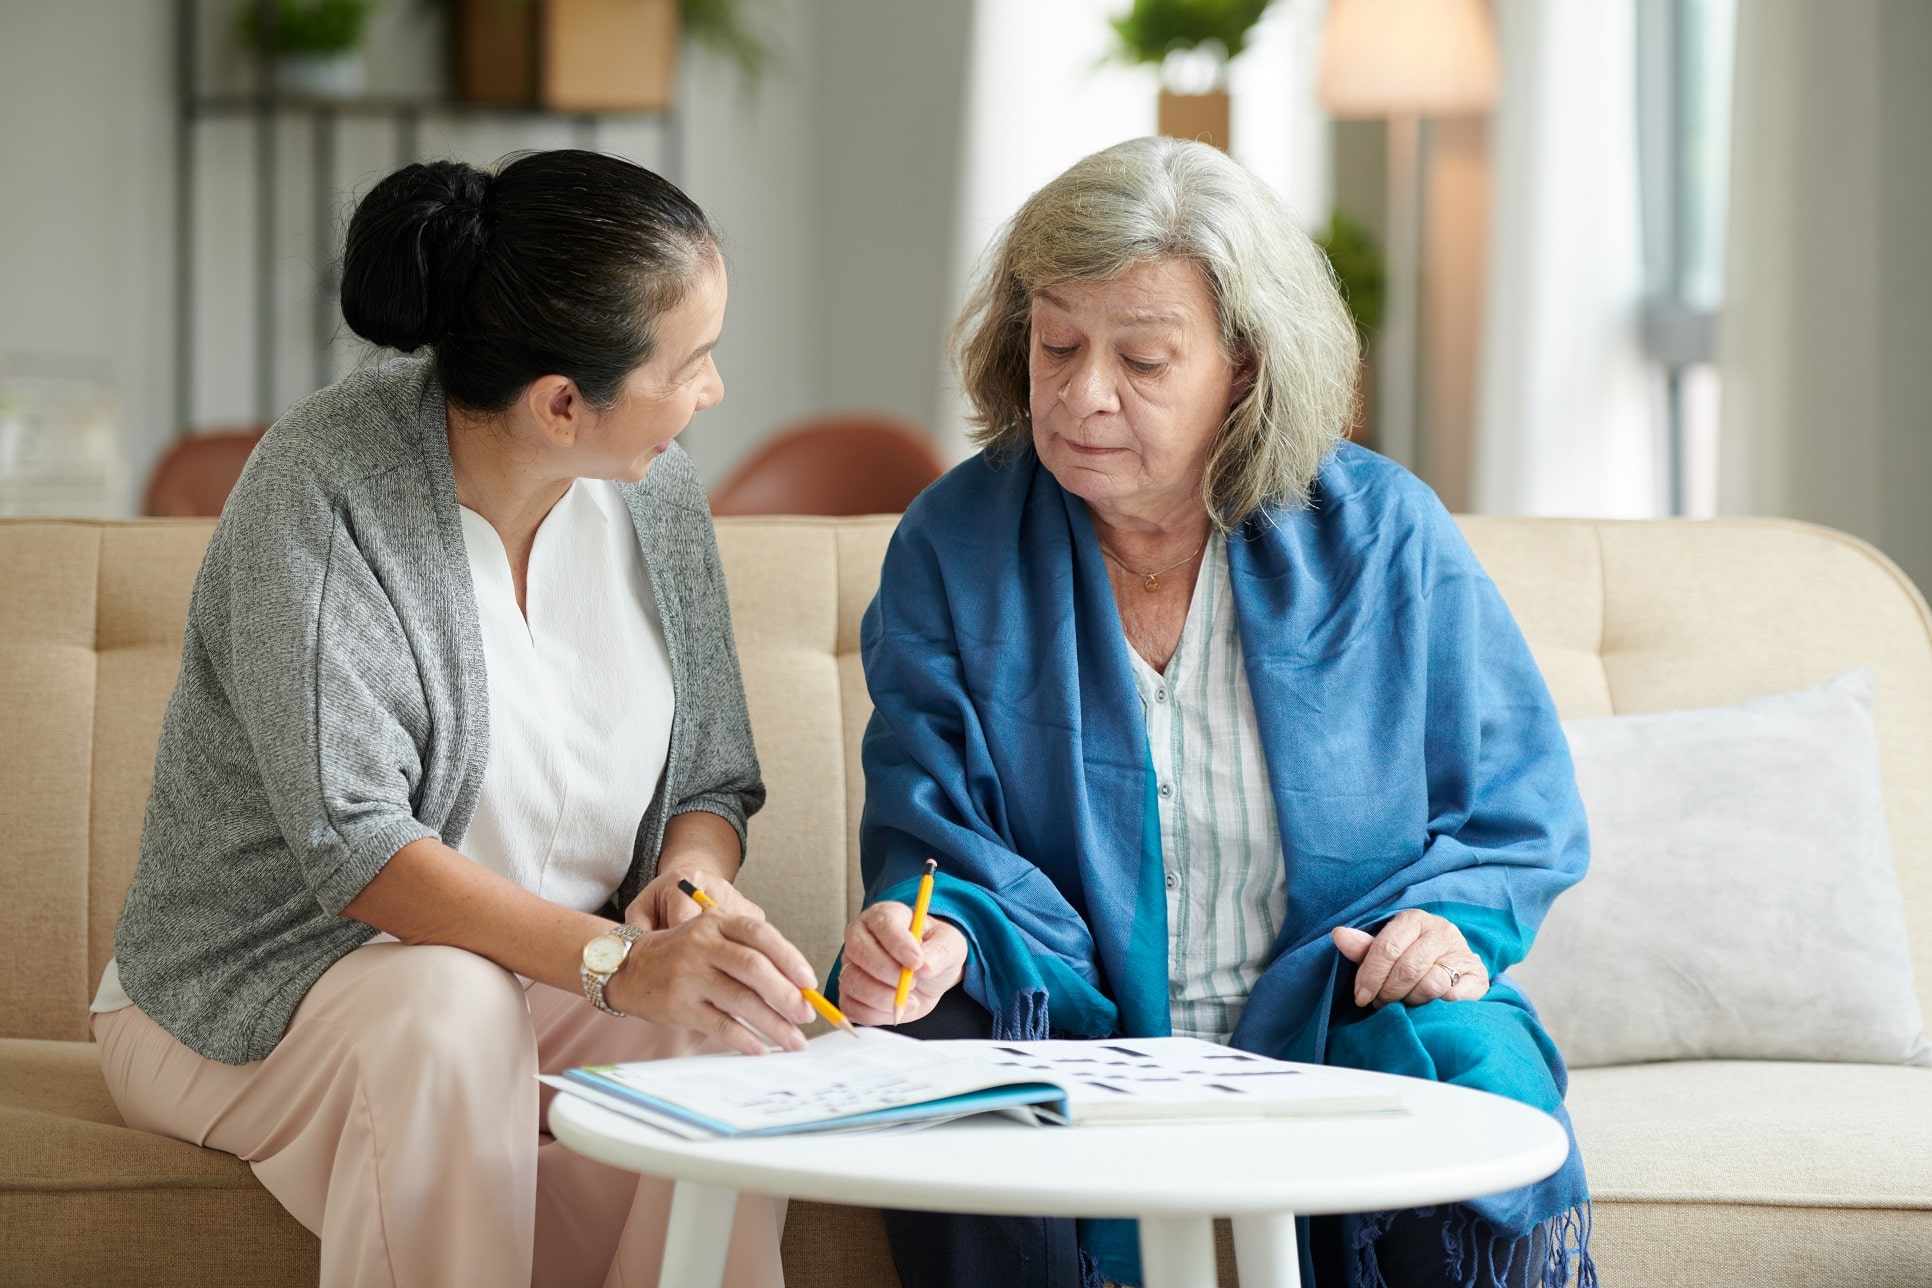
[1264, 1251]
[698, 1236]
[1177, 1252]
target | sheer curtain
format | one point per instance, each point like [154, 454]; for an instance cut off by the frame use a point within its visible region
[1564, 423]
[1041, 94]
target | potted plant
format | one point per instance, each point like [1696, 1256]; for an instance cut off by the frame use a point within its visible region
[314, 46]
[1356, 258]
[724, 27]
[596, 55]
[1191, 41]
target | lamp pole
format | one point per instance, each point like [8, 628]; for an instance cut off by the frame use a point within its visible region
[1403, 60]
[1396, 347]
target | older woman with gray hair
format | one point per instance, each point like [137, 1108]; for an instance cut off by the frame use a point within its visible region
[1212, 720]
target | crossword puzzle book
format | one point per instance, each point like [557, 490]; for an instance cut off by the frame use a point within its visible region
[879, 1078]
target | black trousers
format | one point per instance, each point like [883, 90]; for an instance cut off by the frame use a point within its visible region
[948, 1250]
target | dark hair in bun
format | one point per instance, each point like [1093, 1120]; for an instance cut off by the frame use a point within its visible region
[558, 264]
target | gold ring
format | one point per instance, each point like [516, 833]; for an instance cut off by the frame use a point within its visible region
[1455, 976]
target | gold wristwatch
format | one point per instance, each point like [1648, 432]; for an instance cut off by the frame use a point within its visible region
[602, 956]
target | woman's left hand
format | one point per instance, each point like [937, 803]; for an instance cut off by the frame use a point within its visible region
[661, 904]
[1416, 957]
[701, 848]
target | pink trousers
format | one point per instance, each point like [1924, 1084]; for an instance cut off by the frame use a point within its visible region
[400, 1119]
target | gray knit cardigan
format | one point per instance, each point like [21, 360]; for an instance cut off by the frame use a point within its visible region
[332, 706]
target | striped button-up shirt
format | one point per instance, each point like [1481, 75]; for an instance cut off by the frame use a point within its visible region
[1226, 891]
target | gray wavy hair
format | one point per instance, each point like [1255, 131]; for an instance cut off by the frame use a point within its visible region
[1282, 317]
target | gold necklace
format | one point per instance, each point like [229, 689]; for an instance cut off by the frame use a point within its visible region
[1151, 581]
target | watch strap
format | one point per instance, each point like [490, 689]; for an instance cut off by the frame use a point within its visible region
[594, 981]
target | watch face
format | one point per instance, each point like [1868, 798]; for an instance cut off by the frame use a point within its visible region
[604, 954]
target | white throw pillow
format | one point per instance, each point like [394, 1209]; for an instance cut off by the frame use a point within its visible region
[1740, 902]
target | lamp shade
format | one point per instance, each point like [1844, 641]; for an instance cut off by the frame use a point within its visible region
[1408, 57]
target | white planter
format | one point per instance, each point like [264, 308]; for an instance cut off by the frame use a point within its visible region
[319, 75]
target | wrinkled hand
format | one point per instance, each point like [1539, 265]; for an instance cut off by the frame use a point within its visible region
[661, 905]
[710, 972]
[878, 945]
[1410, 960]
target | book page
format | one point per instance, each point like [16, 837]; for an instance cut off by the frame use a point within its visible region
[836, 1077]
[1181, 1078]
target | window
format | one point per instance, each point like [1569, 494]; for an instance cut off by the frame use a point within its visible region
[1683, 106]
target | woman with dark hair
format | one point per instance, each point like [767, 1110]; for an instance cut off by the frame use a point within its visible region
[458, 707]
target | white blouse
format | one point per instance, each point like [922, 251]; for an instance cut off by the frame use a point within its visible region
[581, 700]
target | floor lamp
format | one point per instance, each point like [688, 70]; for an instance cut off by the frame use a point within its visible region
[1404, 60]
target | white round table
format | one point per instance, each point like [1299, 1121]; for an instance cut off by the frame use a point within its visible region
[1451, 1144]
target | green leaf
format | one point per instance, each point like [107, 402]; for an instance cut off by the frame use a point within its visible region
[725, 28]
[1152, 29]
[1357, 260]
[304, 26]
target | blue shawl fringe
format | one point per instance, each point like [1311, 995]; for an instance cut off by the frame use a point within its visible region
[1477, 1255]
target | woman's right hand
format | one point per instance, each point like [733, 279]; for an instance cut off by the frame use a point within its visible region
[878, 945]
[711, 972]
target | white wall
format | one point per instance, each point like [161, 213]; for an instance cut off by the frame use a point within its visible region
[1905, 286]
[749, 163]
[1827, 391]
[891, 92]
[837, 195]
[833, 187]
[85, 192]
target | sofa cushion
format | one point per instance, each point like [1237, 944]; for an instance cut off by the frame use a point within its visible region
[156, 1237]
[1741, 902]
[1699, 1245]
[1758, 1174]
[1793, 1134]
[828, 1245]
[798, 588]
[59, 1130]
[84, 1199]
[87, 1200]
[47, 663]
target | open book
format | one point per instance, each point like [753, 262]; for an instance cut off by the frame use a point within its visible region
[879, 1078]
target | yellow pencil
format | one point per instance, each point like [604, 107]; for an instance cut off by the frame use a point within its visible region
[817, 999]
[919, 907]
[832, 1013]
[703, 900]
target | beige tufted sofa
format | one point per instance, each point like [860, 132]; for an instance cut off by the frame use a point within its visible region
[1704, 1173]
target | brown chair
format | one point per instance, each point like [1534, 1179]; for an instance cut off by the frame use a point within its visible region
[193, 477]
[836, 465]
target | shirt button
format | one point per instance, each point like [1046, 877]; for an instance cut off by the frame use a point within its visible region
[1167, 789]
[1160, 695]
[1172, 881]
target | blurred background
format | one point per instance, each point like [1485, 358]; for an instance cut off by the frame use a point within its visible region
[1608, 257]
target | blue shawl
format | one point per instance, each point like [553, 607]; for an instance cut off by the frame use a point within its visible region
[1415, 760]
